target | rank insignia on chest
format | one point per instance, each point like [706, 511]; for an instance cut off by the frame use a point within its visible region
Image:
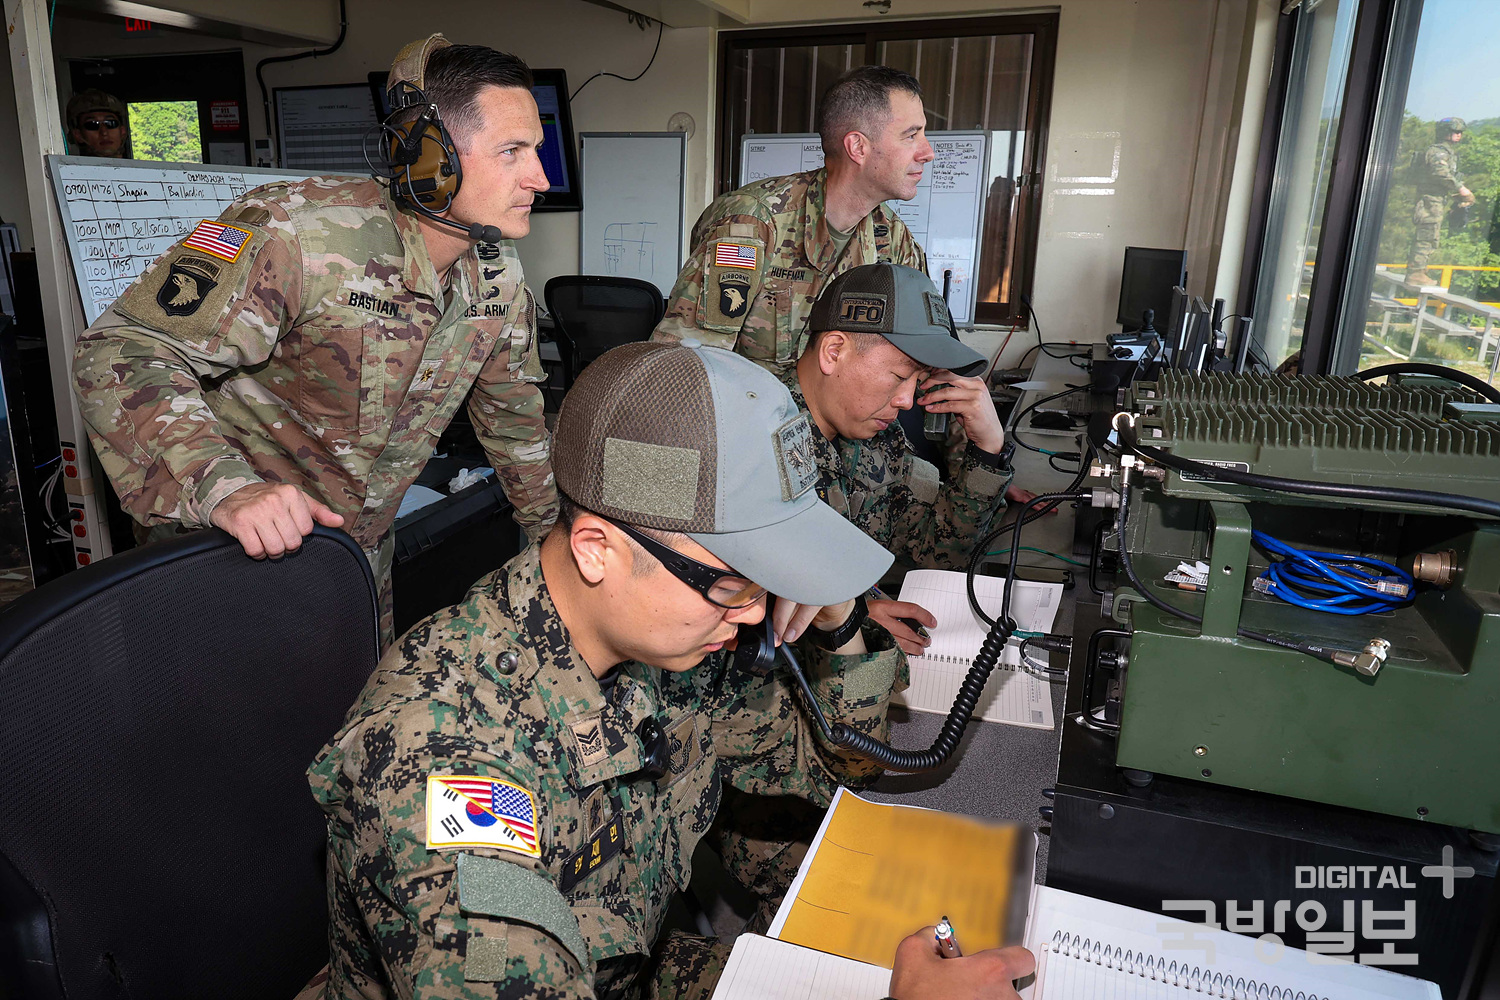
[470, 811]
[427, 373]
[188, 280]
[603, 845]
[588, 734]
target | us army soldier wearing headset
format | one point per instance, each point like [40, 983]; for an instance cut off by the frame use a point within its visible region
[296, 361]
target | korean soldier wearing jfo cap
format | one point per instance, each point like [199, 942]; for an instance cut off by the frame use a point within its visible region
[517, 794]
[297, 359]
[762, 253]
[880, 343]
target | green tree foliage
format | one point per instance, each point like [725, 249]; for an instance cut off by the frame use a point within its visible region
[166, 130]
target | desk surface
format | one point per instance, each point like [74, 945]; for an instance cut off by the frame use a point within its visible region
[1000, 771]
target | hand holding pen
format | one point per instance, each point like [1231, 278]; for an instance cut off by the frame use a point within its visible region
[947, 945]
[924, 970]
[906, 622]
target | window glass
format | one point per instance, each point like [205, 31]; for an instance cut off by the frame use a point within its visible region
[165, 130]
[1424, 282]
[1304, 161]
[979, 81]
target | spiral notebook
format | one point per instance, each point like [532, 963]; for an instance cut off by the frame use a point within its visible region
[1016, 694]
[1090, 948]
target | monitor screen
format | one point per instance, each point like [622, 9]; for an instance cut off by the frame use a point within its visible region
[559, 151]
[1147, 284]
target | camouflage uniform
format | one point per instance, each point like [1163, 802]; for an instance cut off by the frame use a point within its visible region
[760, 256]
[1438, 181]
[895, 497]
[494, 688]
[327, 354]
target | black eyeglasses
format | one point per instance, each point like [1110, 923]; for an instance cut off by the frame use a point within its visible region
[94, 126]
[721, 587]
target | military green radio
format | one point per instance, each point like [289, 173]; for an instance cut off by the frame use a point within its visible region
[1310, 592]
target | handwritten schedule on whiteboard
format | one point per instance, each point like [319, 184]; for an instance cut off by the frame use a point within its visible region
[944, 216]
[122, 215]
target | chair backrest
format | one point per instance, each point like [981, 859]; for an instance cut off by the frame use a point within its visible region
[595, 312]
[158, 711]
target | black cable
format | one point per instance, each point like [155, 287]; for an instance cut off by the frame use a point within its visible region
[1389, 494]
[660, 27]
[1441, 371]
[1067, 457]
[1053, 343]
[265, 95]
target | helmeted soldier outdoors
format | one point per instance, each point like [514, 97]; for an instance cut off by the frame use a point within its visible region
[98, 124]
[880, 344]
[517, 794]
[761, 254]
[1438, 180]
[296, 361]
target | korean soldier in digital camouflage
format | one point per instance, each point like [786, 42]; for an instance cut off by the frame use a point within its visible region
[296, 361]
[1438, 180]
[880, 343]
[762, 254]
[517, 794]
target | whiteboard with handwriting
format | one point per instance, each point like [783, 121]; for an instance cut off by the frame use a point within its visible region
[120, 215]
[944, 216]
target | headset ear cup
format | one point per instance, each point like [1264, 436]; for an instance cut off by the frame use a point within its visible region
[433, 174]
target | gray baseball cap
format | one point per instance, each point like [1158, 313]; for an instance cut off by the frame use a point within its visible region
[903, 306]
[699, 440]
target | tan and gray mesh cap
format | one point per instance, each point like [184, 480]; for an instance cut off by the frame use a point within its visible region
[698, 440]
[902, 305]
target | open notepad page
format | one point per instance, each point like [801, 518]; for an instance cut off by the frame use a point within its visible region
[1015, 694]
[1090, 948]
[762, 968]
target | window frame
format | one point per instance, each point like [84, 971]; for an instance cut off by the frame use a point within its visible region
[1043, 29]
[1350, 178]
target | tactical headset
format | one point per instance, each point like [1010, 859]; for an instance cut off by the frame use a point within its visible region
[426, 172]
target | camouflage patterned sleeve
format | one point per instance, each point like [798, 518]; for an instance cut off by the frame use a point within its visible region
[771, 746]
[506, 409]
[448, 923]
[932, 524]
[192, 315]
[906, 250]
[1442, 169]
[717, 287]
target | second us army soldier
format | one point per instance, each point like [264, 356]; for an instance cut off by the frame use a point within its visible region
[762, 253]
[517, 794]
[880, 345]
[297, 360]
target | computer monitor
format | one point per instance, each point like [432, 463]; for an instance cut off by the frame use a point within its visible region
[559, 151]
[1146, 283]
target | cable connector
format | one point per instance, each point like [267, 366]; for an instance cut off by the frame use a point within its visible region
[1103, 497]
[1056, 643]
[1367, 662]
[1101, 470]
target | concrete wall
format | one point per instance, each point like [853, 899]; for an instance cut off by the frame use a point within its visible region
[1144, 140]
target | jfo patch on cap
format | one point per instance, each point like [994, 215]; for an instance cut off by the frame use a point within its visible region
[794, 457]
[864, 308]
[470, 811]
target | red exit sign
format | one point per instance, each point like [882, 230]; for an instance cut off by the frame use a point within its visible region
[133, 24]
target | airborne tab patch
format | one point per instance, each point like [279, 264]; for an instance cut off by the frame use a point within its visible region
[470, 811]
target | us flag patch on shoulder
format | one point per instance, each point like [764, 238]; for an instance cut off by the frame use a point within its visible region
[465, 810]
[729, 254]
[224, 242]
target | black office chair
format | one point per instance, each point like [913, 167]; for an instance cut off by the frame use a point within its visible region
[595, 312]
[158, 711]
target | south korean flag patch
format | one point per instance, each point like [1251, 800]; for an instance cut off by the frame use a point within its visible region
[465, 810]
